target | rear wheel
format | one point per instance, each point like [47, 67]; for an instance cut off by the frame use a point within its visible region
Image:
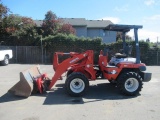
[6, 60]
[76, 84]
[130, 83]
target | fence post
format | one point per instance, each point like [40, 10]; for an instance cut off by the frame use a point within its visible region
[26, 55]
[16, 54]
[157, 57]
[45, 56]
[42, 54]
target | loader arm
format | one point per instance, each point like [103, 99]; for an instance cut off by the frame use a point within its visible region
[33, 81]
[62, 67]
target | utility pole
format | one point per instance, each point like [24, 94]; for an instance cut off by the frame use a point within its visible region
[41, 49]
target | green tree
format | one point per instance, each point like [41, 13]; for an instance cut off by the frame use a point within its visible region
[16, 25]
[21, 28]
[51, 24]
[3, 13]
[11, 23]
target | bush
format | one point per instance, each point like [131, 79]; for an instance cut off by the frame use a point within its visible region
[68, 43]
[71, 43]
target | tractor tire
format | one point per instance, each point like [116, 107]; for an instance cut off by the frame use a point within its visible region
[114, 83]
[76, 84]
[5, 61]
[129, 83]
[69, 72]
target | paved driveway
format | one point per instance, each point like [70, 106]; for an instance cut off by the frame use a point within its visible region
[102, 102]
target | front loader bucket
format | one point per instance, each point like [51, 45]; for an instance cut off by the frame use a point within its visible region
[27, 82]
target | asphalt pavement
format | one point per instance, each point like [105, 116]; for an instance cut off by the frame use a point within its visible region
[102, 102]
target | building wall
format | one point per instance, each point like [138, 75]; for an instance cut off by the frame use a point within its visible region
[107, 36]
[89, 28]
[94, 32]
[81, 31]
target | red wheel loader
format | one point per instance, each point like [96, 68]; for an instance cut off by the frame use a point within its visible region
[126, 72]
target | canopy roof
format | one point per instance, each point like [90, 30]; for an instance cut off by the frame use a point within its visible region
[122, 28]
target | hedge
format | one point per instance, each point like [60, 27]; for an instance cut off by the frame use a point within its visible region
[68, 43]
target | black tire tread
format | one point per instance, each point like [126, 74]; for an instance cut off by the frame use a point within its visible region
[121, 81]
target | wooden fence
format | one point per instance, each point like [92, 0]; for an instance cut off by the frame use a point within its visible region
[38, 55]
[29, 55]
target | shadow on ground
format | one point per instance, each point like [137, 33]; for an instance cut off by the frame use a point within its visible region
[8, 97]
[99, 92]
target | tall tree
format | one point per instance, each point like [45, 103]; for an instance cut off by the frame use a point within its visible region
[51, 24]
[3, 13]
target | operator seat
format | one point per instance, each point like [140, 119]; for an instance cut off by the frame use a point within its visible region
[126, 52]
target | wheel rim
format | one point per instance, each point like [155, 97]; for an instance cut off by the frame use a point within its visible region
[77, 85]
[6, 61]
[131, 84]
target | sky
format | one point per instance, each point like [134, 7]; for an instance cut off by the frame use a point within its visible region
[133, 12]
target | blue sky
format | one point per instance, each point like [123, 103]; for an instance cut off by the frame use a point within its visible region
[140, 12]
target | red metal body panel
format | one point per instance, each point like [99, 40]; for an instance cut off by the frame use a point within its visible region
[40, 81]
[112, 72]
[130, 65]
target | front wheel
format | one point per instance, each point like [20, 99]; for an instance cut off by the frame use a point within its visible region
[130, 83]
[76, 84]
